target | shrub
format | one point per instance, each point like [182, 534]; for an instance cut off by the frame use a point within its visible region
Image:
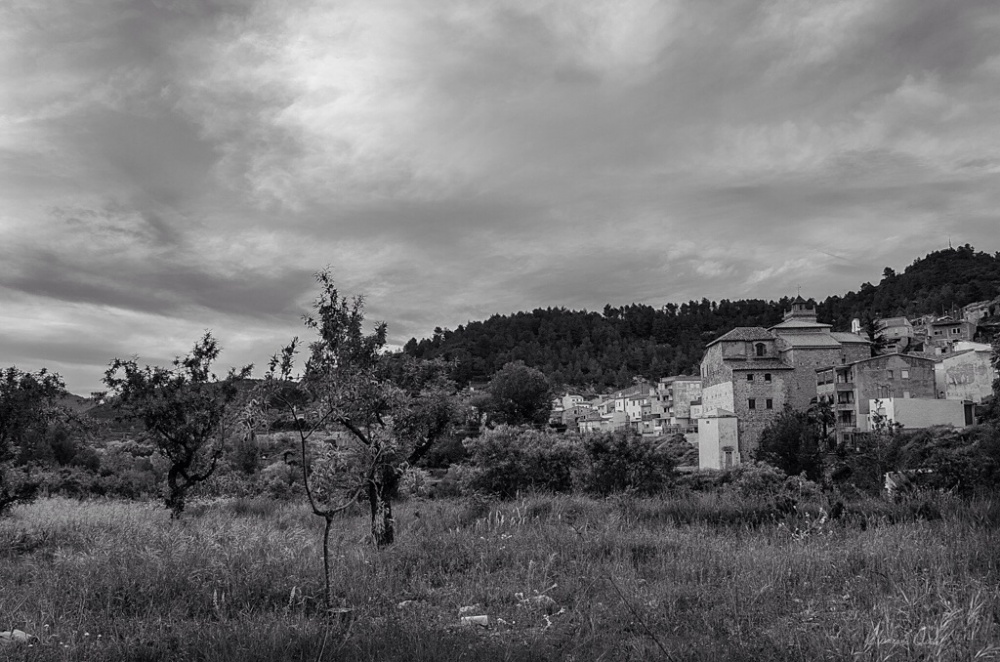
[624, 461]
[509, 460]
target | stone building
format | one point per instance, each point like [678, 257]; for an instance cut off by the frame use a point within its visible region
[755, 372]
[851, 387]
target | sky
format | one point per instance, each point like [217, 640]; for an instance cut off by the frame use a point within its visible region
[169, 167]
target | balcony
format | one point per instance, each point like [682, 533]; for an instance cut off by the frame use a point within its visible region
[845, 386]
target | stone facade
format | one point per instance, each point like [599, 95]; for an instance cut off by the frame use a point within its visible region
[755, 372]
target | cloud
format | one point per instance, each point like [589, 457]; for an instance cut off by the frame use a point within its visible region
[178, 165]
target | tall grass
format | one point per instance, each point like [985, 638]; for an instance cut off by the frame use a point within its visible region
[623, 579]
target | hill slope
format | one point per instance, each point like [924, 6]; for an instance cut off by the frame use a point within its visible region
[601, 350]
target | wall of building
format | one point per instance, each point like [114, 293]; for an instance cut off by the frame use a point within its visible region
[967, 376]
[684, 392]
[872, 380]
[752, 422]
[920, 413]
[713, 370]
[718, 396]
[802, 380]
[715, 435]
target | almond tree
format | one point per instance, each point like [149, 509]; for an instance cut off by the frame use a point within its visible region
[392, 412]
[27, 405]
[186, 410]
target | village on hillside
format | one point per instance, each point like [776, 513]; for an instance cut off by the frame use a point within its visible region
[916, 373]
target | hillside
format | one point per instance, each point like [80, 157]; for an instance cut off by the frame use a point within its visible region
[602, 350]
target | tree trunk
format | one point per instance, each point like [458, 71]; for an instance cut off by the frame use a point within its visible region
[381, 491]
[175, 493]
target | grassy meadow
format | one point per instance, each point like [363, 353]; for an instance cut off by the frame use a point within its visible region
[560, 578]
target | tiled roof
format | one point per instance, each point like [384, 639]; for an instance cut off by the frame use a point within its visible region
[810, 340]
[746, 333]
[799, 324]
[718, 412]
[757, 364]
[845, 337]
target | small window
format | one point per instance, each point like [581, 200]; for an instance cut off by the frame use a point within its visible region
[955, 332]
[889, 373]
[769, 403]
[752, 403]
[749, 376]
[767, 377]
[761, 349]
[905, 374]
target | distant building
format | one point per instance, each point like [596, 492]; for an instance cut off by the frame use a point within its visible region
[921, 413]
[965, 375]
[718, 440]
[755, 372]
[850, 387]
[893, 329]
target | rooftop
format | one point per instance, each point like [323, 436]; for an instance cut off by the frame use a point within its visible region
[757, 364]
[810, 340]
[746, 334]
[846, 337]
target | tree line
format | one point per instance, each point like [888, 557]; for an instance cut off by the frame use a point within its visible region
[586, 349]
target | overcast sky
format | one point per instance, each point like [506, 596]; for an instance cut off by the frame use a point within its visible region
[172, 166]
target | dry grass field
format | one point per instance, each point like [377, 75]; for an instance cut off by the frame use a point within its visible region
[622, 579]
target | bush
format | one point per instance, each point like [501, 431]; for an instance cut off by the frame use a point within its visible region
[509, 460]
[624, 461]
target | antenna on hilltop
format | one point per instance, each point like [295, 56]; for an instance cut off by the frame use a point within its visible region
[949, 241]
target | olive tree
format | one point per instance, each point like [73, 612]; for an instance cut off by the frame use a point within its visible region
[185, 410]
[27, 406]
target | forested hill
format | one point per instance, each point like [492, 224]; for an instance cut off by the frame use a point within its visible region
[601, 350]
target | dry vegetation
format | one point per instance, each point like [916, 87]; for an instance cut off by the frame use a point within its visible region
[629, 579]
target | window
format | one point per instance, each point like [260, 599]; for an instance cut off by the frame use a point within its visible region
[769, 403]
[767, 377]
[889, 373]
[752, 403]
[749, 376]
[955, 332]
[905, 374]
[761, 349]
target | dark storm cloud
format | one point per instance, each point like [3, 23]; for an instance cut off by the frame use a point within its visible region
[162, 289]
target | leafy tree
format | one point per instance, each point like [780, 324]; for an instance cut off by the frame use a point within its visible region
[27, 407]
[821, 414]
[185, 410]
[519, 395]
[389, 413]
[877, 339]
[792, 443]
